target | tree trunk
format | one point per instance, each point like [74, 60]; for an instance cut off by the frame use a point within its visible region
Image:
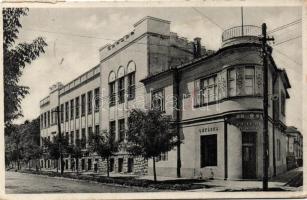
[108, 173]
[154, 169]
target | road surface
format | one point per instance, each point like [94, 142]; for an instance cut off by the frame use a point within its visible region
[20, 183]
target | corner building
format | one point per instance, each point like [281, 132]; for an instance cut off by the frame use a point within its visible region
[215, 98]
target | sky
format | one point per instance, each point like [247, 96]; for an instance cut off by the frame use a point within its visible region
[74, 36]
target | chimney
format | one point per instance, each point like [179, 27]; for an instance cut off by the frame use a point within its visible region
[197, 47]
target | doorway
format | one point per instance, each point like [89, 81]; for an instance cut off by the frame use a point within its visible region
[249, 155]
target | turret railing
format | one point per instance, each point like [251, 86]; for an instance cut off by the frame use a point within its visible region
[239, 31]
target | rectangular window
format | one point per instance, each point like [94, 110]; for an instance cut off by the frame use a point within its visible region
[97, 99]
[121, 130]
[89, 102]
[157, 100]
[249, 80]
[130, 165]
[51, 116]
[283, 103]
[120, 164]
[121, 90]
[278, 149]
[89, 164]
[77, 107]
[83, 139]
[209, 150]
[208, 90]
[67, 137]
[77, 138]
[82, 104]
[232, 82]
[41, 121]
[62, 113]
[131, 86]
[66, 164]
[66, 111]
[89, 132]
[82, 164]
[45, 120]
[111, 164]
[48, 119]
[112, 93]
[72, 138]
[72, 109]
[97, 129]
[112, 130]
[162, 157]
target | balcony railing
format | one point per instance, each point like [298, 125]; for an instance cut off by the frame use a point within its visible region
[239, 31]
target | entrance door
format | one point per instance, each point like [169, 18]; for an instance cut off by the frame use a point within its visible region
[249, 155]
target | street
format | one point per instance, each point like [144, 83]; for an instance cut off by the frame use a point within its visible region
[20, 183]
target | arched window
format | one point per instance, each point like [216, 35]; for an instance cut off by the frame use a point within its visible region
[131, 80]
[121, 84]
[112, 93]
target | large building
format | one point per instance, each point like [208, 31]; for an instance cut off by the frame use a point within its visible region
[215, 98]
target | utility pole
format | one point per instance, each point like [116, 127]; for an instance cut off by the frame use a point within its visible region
[264, 40]
[58, 111]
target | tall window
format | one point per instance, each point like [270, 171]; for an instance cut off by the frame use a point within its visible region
[131, 86]
[97, 99]
[48, 119]
[82, 104]
[112, 130]
[67, 137]
[121, 129]
[232, 82]
[77, 107]
[72, 137]
[45, 120]
[249, 80]
[278, 149]
[121, 90]
[89, 102]
[89, 132]
[83, 139]
[112, 93]
[71, 109]
[66, 111]
[208, 90]
[97, 129]
[42, 120]
[157, 100]
[209, 150]
[283, 103]
[62, 113]
[51, 115]
[77, 138]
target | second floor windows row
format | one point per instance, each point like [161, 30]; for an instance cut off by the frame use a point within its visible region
[122, 89]
[71, 109]
[231, 82]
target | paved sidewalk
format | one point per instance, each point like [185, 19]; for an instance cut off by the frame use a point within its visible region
[277, 182]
